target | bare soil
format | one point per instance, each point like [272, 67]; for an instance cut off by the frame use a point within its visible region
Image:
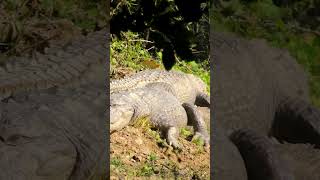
[136, 153]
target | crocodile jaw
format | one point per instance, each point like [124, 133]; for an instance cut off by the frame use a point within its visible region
[120, 116]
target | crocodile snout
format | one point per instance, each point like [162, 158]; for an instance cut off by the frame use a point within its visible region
[120, 116]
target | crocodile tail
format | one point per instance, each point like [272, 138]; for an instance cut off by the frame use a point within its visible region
[297, 121]
[261, 160]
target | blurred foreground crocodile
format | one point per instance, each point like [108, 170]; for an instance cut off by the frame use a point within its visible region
[247, 154]
[50, 130]
[262, 89]
[58, 66]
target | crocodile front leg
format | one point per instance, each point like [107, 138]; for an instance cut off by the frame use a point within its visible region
[196, 120]
[297, 121]
[172, 137]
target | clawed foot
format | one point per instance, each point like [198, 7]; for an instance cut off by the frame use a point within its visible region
[172, 138]
[175, 144]
[203, 137]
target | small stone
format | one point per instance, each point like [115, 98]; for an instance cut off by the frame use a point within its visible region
[139, 141]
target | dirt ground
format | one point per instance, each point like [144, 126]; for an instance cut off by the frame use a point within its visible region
[141, 153]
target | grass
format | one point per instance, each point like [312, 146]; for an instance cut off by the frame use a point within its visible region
[185, 132]
[85, 14]
[143, 123]
[130, 52]
[149, 168]
[27, 25]
[117, 164]
[145, 169]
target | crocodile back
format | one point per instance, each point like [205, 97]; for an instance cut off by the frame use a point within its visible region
[58, 66]
[186, 86]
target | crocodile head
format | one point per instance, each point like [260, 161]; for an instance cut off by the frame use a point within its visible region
[121, 114]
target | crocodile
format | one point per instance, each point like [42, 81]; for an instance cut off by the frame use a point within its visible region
[58, 66]
[165, 111]
[186, 87]
[49, 129]
[266, 158]
[246, 154]
[263, 89]
[303, 159]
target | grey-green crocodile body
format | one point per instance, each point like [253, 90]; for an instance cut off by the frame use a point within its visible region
[186, 87]
[156, 102]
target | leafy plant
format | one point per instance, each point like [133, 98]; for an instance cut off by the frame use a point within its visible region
[168, 23]
[131, 52]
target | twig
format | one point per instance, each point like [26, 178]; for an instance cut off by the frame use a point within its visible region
[150, 48]
[141, 40]
[177, 59]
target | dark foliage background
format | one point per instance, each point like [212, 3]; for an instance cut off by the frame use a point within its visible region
[178, 27]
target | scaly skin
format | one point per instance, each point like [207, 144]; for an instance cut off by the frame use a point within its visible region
[157, 102]
[187, 87]
[57, 67]
[304, 159]
[263, 89]
[54, 134]
[261, 159]
[247, 155]
[54, 131]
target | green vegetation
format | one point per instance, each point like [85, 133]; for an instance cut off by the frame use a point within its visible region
[283, 24]
[143, 123]
[27, 25]
[185, 132]
[177, 27]
[117, 165]
[130, 52]
[85, 14]
[156, 135]
[147, 168]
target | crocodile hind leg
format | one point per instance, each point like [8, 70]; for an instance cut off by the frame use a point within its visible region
[203, 100]
[297, 121]
[261, 159]
[196, 120]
